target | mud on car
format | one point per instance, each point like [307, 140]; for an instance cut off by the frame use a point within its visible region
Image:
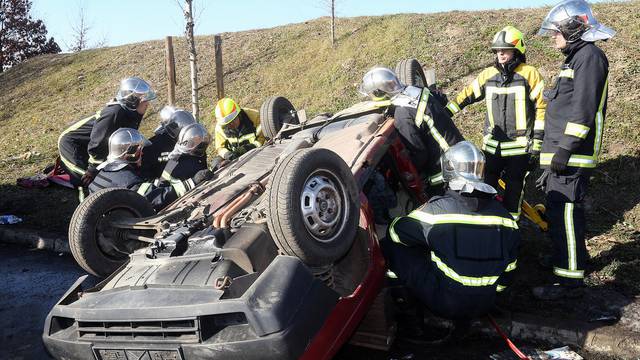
[276, 257]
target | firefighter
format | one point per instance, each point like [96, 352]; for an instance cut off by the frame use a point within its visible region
[574, 124]
[422, 121]
[237, 130]
[458, 250]
[164, 140]
[122, 169]
[189, 155]
[84, 145]
[514, 123]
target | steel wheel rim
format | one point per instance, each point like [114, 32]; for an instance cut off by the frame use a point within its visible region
[324, 205]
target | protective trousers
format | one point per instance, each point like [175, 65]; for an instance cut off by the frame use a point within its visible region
[565, 211]
[414, 270]
[515, 170]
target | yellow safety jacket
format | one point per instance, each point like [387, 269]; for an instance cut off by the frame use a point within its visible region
[515, 109]
[248, 134]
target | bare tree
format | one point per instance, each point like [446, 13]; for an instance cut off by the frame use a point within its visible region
[80, 28]
[187, 10]
[330, 6]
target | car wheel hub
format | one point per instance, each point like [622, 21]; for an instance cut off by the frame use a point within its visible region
[321, 205]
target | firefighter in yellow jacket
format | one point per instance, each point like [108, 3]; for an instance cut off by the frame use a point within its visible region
[237, 130]
[514, 124]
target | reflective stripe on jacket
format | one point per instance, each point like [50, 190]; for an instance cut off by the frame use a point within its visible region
[577, 107]
[248, 134]
[515, 109]
[471, 242]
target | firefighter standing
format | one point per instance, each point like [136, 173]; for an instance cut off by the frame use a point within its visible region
[422, 121]
[84, 145]
[514, 122]
[164, 140]
[456, 251]
[237, 129]
[122, 170]
[575, 115]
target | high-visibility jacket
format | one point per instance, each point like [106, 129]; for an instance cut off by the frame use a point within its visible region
[577, 106]
[246, 136]
[85, 144]
[471, 243]
[425, 127]
[159, 193]
[515, 108]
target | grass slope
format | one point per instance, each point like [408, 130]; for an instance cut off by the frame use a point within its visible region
[42, 96]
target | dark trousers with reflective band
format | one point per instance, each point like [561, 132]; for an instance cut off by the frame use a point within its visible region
[567, 224]
[515, 170]
[414, 269]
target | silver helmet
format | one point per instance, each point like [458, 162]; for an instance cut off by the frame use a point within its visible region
[574, 20]
[132, 91]
[463, 168]
[193, 139]
[380, 83]
[176, 122]
[125, 147]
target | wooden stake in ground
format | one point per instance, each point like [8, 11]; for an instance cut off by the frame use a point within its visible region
[217, 40]
[188, 15]
[330, 5]
[171, 72]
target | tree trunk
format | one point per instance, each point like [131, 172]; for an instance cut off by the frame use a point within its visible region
[333, 23]
[188, 15]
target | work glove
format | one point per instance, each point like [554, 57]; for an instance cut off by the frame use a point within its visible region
[245, 148]
[202, 176]
[534, 162]
[438, 95]
[88, 176]
[541, 183]
[229, 155]
[217, 163]
[560, 160]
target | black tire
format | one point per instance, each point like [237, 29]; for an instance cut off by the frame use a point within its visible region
[274, 112]
[90, 232]
[410, 72]
[314, 169]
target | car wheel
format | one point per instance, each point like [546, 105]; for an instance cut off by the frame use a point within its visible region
[410, 72]
[314, 207]
[274, 112]
[99, 247]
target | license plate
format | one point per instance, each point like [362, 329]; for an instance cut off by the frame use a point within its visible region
[137, 354]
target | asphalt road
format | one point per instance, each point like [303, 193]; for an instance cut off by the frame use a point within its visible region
[32, 282]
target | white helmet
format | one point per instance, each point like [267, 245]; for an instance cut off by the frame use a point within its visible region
[173, 120]
[193, 139]
[574, 20]
[125, 147]
[463, 168]
[380, 83]
[132, 91]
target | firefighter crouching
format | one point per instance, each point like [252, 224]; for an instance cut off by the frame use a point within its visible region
[456, 251]
[237, 130]
[423, 123]
[155, 156]
[514, 123]
[574, 124]
[189, 154]
[84, 145]
[122, 170]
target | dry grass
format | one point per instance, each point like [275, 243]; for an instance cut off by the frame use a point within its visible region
[40, 97]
